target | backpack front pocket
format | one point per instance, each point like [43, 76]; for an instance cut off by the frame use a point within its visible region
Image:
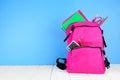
[86, 60]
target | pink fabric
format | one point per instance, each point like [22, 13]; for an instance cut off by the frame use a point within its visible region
[89, 34]
[86, 60]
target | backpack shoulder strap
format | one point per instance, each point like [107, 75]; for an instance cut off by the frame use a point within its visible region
[104, 42]
[106, 61]
[61, 65]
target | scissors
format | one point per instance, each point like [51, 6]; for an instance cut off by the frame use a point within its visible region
[100, 20]
[97, 19]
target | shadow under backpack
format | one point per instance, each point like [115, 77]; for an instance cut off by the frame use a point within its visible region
[87, 54]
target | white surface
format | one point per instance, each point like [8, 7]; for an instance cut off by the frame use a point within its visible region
[53, 73]
[25, 72]
[58, 74]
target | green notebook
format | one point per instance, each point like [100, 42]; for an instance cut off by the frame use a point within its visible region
[76, 17]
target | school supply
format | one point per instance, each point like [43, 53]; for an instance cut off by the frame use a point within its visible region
[99, 20]
[73, 45]
[76, 17]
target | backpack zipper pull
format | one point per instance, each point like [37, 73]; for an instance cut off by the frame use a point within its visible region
[72, 29]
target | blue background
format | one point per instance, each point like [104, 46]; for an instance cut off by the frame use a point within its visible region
[31, 34]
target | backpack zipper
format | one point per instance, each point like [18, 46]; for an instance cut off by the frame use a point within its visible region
[88, 47]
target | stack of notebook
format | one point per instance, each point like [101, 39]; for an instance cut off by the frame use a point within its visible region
[76, 17]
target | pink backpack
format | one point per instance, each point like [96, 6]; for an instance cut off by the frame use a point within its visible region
[89, 55]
